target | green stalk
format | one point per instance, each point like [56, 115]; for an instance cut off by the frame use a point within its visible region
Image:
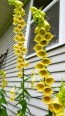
[23, 83]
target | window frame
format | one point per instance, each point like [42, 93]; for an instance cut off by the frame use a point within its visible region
[61, 25]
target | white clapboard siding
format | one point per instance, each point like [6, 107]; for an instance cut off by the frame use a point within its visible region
[9, 64]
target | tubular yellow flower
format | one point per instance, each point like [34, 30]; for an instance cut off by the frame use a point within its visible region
[60, 114]
[36, 30]
[47, 99]
[15, 46]
[41, 53]
[19, 27]
[19, 19]
[24, 50]
[19, 44]
[20, 74]
[42, 31]
[48, 36]
[15, 22]
[37, 47]
[49, 80]
[46, 25]
[22, 39]
[26, 63]
[37, 38]
[22, 23]
[16, 38]
[47, 91]
[20, 57]
[16, 30]
[17, 52]
[20, 34]
[12, 98]
[18, 67]
[43, 42]
[12, 91]
[4, 83]
[57, 106]
[39, 65]
[40, 86]
[50, 107]
[43, 73]
[19, 60]
[46, 61]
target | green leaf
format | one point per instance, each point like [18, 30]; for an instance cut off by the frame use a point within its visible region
[19, 96]
[3, 112]
[3, 99]
[24, 105]
[49, 113]
[27, 92]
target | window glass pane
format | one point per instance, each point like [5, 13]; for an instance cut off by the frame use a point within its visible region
[41, 3]
[52, 16]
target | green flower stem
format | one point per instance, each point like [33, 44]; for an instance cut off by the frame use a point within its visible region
[23, 84]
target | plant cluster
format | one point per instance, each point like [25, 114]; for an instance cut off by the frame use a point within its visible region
[20, 50]
[56, 103]
[3, 111]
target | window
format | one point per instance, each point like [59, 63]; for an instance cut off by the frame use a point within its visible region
[52, 11]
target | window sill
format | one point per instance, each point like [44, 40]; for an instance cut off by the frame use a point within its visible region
[47, 49]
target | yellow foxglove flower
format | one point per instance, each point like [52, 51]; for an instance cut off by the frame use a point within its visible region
[16, 38]
[42, 31]
[26, 63]
[50, 107]
[22, 40]
[22, 23]
[19, 61]
[40, 86]
[19, 19]
[12, 91]
[57, 106]
[39, 65]
[24, 50]
[19, 67]
[48, 36]
[47, 99]
[36, 30]
[21, 64]
[46, 25]
[37, 47]
[15, 46]
[47, 91]
[33, 82]
[37, 38]
[19, 44]
[41, 53]
[20, 74]
[17, 52]
[49, 80]
[20, 57]
[12, 98]
[19, 27]
[20, 34]
[4, 83]
[15, 22]
[43, 42]
[16, 30]
[46, 61]
[60, 114]
[43, 72]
